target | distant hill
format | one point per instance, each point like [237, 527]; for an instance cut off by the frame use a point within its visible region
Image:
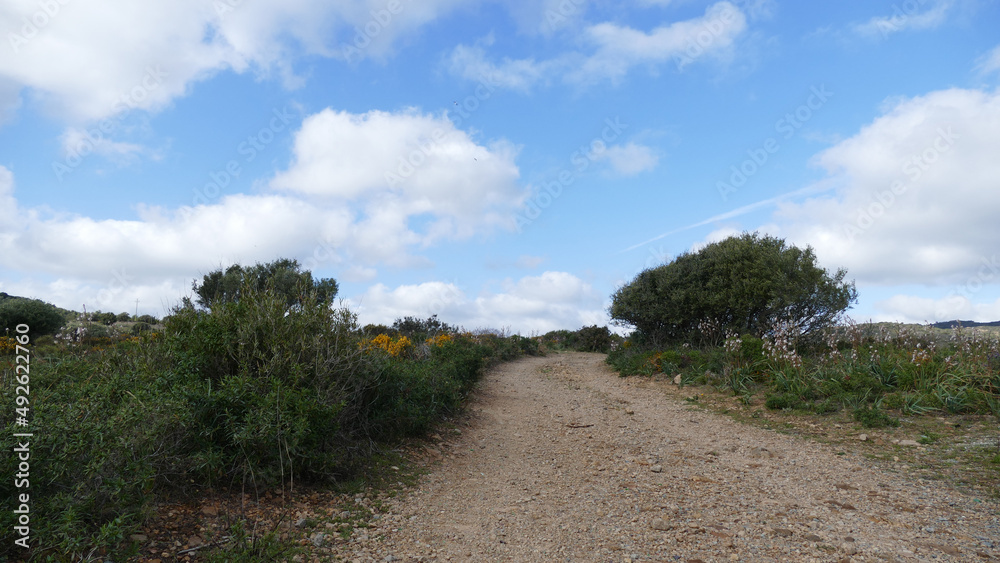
[969, 324]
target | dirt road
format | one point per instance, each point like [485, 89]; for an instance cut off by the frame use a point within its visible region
[564, 461]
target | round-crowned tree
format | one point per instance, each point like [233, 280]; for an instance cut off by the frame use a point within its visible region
[42, 318]
[746, 284]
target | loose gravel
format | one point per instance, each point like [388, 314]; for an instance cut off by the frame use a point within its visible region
[562, 460]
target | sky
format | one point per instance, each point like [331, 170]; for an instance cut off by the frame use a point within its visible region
[503, 164]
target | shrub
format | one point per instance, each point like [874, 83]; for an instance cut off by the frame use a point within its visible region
[42, 318]
[593, 339]
[745, 285]
[284, 277]
[782, 401]
[874, 417]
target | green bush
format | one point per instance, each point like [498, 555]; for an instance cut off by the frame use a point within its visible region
[744, 284]
[593, 339]
[874, 417]
[783, 401]
[252, 393]
[42, 318]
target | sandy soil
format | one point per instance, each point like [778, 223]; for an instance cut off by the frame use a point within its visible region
[562, 460]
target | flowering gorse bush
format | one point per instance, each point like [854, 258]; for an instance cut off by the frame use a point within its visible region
[439, 339]
[394, 347]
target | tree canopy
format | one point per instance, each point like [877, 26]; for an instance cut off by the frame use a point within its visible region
[746, 284]
[284, 276]
[42, 318]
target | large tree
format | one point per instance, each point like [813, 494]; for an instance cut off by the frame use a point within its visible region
[284, 276]
[745, 284]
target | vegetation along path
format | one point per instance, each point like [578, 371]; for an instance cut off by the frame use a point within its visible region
[562, 460]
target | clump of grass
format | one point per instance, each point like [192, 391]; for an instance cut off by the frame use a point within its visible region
[874, 417]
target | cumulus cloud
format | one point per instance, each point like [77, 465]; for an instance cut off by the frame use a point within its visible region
[88, 61]
[551, 301]
[362, 191]
[399, 166]
[915, 199]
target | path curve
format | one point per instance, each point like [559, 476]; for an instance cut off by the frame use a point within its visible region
[562, 460]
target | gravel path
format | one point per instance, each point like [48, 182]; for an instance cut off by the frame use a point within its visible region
[562, 460]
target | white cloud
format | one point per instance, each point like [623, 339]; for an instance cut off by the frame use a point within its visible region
[990, 62]
[619, 48]
[401, 166]
[334, 207]
[86, 61]
[529, 262]
[629, 159]
[8, 205]
[614, 50]
[716, 235]
[533, 304]
[912, 309]
[77, 141]
[470, 62]
[906, 16]
[916, 201]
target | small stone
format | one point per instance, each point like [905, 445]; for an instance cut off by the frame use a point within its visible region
[909, 443]
[849, 548]
[949, 549]
[845, 487]
[656, 468]
[138, 537]
[628, 410]
[812, 537]
[863, 437]
[317, 539]
[661, 524]
[783, 532]
[300, 523]
[677, 379]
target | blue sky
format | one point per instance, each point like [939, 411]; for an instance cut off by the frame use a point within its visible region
[502, 164]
